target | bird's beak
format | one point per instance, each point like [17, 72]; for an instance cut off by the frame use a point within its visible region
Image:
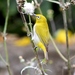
[34, 15]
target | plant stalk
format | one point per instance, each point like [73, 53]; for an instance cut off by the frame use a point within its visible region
[38, 6]
[57, 50]
[3, 59]
[25, 24]
[67, 43]
[4, 36]
[70, 18]
[39, 63]
[4, 31]
[30, 24]
[39, 10]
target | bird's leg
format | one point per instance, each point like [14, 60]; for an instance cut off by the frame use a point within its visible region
[35, 47]
[30, 34]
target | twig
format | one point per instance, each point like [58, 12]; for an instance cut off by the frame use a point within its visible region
[38, 5]
[4, 31]
[57, 2]
[67, 43]
[25, 23]
[39, 10]
[28, 67]
[39, 63]
[19, 8]
[64, 6]
[4, 36]
[3, 60]
[58, 51]
[70, 18]
[7, 65]
[30, 24]
[72, 57]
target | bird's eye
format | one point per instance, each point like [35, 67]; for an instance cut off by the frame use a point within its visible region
[38, 17]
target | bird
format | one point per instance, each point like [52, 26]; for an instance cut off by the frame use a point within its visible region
[41, 34]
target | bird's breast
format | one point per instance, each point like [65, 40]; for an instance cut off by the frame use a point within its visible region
[35, 37]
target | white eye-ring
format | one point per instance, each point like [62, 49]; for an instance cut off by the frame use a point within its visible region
[38, 17]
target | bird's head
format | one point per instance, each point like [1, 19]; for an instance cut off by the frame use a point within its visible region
[40, 18]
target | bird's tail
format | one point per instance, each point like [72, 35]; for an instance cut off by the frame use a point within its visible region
[41, 45]
[46, 55]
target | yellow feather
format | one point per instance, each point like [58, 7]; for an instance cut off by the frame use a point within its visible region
[41, 45]
[41, 28]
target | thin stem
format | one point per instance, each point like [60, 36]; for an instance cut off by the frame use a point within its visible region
[30, 24]
[58, 51]
[67, 43]
[3, 59]
[9, 71]
[72, 57]
[7, 15]
[31, 67]
[6, 51]
[25, 23]
[57, 2]
[4, 31]
[39, 10]
[7, 58]
[4, 35]
[70, 18]
[39, 63]
[38, 5]
[7, 65]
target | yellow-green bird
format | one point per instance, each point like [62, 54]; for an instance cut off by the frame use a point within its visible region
[41, 35]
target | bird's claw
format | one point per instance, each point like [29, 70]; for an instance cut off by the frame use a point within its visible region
[35, 47]
[30, 34]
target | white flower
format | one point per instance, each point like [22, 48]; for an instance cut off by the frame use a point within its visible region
[29, 8]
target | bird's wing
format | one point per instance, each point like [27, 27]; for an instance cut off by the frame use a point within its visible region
[43, 33]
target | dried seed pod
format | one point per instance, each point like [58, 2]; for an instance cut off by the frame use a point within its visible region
[67, 4]
[73, 2]
[20, 3]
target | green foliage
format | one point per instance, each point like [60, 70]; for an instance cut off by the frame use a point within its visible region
[3, 7]
[13, 7]
[45, 6]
